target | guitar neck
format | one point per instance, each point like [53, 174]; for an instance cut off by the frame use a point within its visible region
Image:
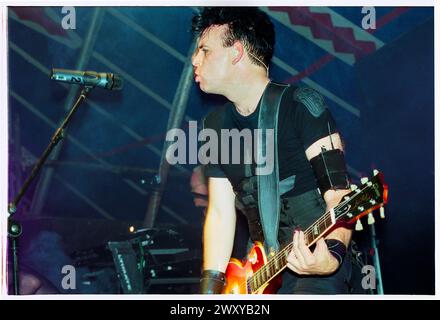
[360, 201]
[278, 262]
[319, 227]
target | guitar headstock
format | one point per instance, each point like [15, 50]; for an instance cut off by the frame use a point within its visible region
[371, 195]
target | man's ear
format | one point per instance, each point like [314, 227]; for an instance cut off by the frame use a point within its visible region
[237, 52]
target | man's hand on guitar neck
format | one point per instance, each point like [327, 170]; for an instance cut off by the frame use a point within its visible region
[303, 261]
[321, 261]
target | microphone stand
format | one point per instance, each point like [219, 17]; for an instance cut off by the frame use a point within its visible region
[376, 261]
[14, 227]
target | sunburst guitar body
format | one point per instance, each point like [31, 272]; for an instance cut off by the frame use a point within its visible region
[239, 274]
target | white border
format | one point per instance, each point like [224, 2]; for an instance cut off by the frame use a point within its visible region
[4, 141]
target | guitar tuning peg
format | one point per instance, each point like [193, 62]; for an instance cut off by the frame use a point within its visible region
[382, 212]
[364, 180]
[370, 218]
[375, 172]
[353, 187]
[359, 226]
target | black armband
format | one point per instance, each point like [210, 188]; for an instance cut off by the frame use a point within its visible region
[337, 249]
[212, 282]
[330, 170]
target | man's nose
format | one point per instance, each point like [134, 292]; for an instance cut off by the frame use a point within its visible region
[194, 59]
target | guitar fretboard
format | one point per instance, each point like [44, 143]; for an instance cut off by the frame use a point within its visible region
[372, 195]
[279, 261]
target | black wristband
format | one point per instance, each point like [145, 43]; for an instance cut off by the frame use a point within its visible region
[212, 282]
[337, 249]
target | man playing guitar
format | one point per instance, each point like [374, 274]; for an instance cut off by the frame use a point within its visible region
[235, 46]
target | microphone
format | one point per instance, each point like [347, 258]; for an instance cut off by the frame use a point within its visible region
[104, 80]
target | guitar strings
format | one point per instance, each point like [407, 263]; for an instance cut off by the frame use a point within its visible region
[280, 254]
[290, 245]
[307, 232]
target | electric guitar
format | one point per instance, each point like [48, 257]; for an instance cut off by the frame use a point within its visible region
[260, 274]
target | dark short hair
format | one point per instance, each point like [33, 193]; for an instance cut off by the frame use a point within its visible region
[248, 24]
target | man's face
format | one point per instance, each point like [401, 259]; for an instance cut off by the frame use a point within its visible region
[211, 60]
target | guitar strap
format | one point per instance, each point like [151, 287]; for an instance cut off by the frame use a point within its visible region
[268, 182]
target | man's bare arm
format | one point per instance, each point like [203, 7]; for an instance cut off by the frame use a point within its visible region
[219, 228]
